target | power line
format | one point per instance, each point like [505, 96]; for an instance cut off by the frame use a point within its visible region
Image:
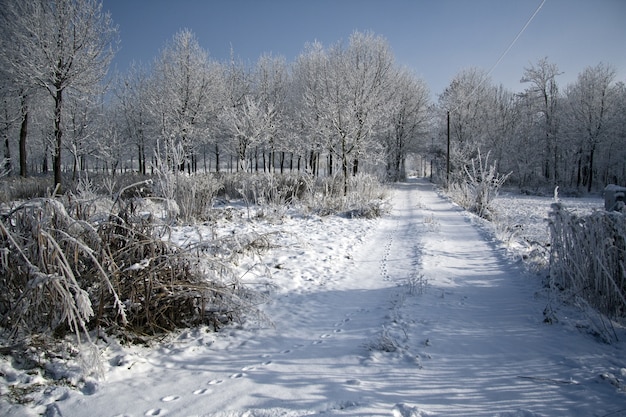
[506, 51]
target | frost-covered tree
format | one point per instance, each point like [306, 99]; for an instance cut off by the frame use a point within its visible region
[236, 93]
[61, 45]
[184, 79]
[251, 124]
[9, 117]
[591, 104]
[543, 95]
[355, 93]
[307, 93]
[270, 84]
[408, 118]
[82, 121]
[467, 102]
[132, 94]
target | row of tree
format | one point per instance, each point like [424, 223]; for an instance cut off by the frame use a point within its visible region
[334, 110]
[573, 137]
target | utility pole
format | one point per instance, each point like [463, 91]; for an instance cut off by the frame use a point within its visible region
[448, 154]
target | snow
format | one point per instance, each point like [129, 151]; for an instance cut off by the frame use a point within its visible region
[419, 313]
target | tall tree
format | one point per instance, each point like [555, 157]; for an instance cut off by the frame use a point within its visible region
[409, 119]
[132, 93]
[356, 92]
[591, 103]
[64, 44]
[270, 84]
[466, 103]
[184, 79]
[308, 93]
[544, 95]
[236, 95]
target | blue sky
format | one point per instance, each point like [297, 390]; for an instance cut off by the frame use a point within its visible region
[435, 38]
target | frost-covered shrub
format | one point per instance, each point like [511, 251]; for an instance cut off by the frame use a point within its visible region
[366, 197]
[479, 187]
[195, 196]
[18, 188]
[59, 274]
[588, 257]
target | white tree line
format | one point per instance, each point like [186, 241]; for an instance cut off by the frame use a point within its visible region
[337, 109]
[545, 136]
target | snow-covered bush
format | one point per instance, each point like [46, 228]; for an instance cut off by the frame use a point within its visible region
[18, 188]
[366, 196]
[195, 196]
[61, 274]
[479, 187]
[272, 193]
[588, 258]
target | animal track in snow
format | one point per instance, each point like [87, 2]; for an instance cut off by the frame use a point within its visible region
[170, 398]
[215, 382]
[237, 375]
[155, 412]
[201, 391]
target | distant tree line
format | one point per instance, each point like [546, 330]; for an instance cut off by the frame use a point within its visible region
[573, 137]
[335, 110]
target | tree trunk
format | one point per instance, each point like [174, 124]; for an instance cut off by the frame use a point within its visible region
[7, 152]
[344, 169]
[58, 136]
[591, 152]
[217, 158]
[23, 136]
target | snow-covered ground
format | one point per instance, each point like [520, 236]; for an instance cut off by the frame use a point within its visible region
[420, 313]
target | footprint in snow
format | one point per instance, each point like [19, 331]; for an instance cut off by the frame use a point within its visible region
[170, 398]
[404, 410]
[202, 391]
[237, 375]
[338, 330]
[248, 368]
[266, 363]
[155, 412]
[215, 382]
[325, 336]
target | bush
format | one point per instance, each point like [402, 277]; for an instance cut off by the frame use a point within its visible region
[60, 274]
[479, 188]
[272, 193]
[588, 258]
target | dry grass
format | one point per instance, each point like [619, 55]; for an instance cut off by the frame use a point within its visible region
[588, 258]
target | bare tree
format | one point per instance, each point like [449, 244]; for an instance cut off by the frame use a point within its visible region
[62, 44]
[544, 95]
[466, 103]
[236, 93]
[270, 85]
[251, 124]
[132, 93]
[409, 118]
[8, 119]
[308, 95]
[184, 83]
[591, 103]
[355, 92]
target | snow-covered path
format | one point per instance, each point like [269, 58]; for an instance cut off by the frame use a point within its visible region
[425, 317]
